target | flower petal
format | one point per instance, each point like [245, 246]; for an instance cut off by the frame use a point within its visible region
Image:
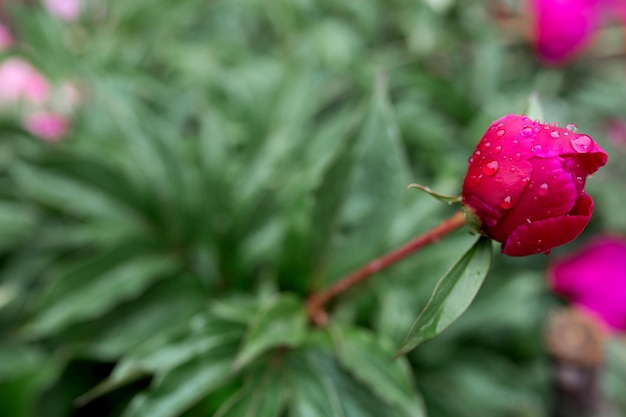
[595, 278]
[550, 193]
[542, 236]
[563, 27]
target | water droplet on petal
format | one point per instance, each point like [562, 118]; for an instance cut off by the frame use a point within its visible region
[528, 221]
[547, 251]
[500, 133]
[513, 169]
[471, 160]
[506, 202]
[477, 179]
[477, 153]
[580, 180]
[527, 131]
[555, 134]
[515, 142]
[572, 127]
[543, 189]
[517, 156]
[497, 149]
[536, 148]
[485, 145]
[524, 181]
[491, 168]
[581, 144]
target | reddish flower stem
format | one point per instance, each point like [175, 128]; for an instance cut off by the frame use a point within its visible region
[317, 301]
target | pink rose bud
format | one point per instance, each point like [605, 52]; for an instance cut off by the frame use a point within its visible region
[20, 81]
[594, 280]
[562, 28]
[47, 126]
[525, 184]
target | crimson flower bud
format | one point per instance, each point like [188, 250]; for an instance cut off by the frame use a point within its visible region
[525, 184]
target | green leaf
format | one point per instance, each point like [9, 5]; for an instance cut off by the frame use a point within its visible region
[533, 108]
[262, 396]
[282, 323]
[169, 349]
[185, 385]
[363, 355]
[452, 295]
[321, 388]
[98, 294]
[378, 184]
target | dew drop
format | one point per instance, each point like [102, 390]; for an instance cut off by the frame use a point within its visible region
[500, 133]
[517, 156]
[485, 145]
[491, 168]
[543, 189]
[506, 202]
[581, 144]
[527, 131]
[572, 127]
[513, 169]
[528, 221]
[515, 142]
[471, 160]
[580, 180]
[555, 134]
[477, 153]
[524, 181]
[478, 178]
[536, 148]
[497, 149]
[547, 251]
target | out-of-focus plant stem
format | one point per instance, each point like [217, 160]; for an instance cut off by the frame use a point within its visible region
[317, 301]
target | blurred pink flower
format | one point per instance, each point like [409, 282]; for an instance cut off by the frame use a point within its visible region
[562, 28]
[46, 125]
[594, 280]
[20, 81]
[6, 38]
[67, 10]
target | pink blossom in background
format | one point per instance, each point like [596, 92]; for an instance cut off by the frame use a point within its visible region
[46, 125]
[563, 28]
[594, 280]
[67, 10]
[6, 38]
[20, 81]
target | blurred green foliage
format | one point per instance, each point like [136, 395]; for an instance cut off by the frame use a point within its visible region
[229, 158]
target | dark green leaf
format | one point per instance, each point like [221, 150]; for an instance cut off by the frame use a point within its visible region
[98, 294]
[370, 361]
[263, 395]
[321, 389]
[452, 295]
[282, 323]
[176, 391]
[379, 180]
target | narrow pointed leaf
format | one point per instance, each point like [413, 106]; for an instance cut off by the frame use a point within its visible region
[366, 357]
[185, 385]
[262, 396]
[282, 323]
[452, 295]
[376, 190]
